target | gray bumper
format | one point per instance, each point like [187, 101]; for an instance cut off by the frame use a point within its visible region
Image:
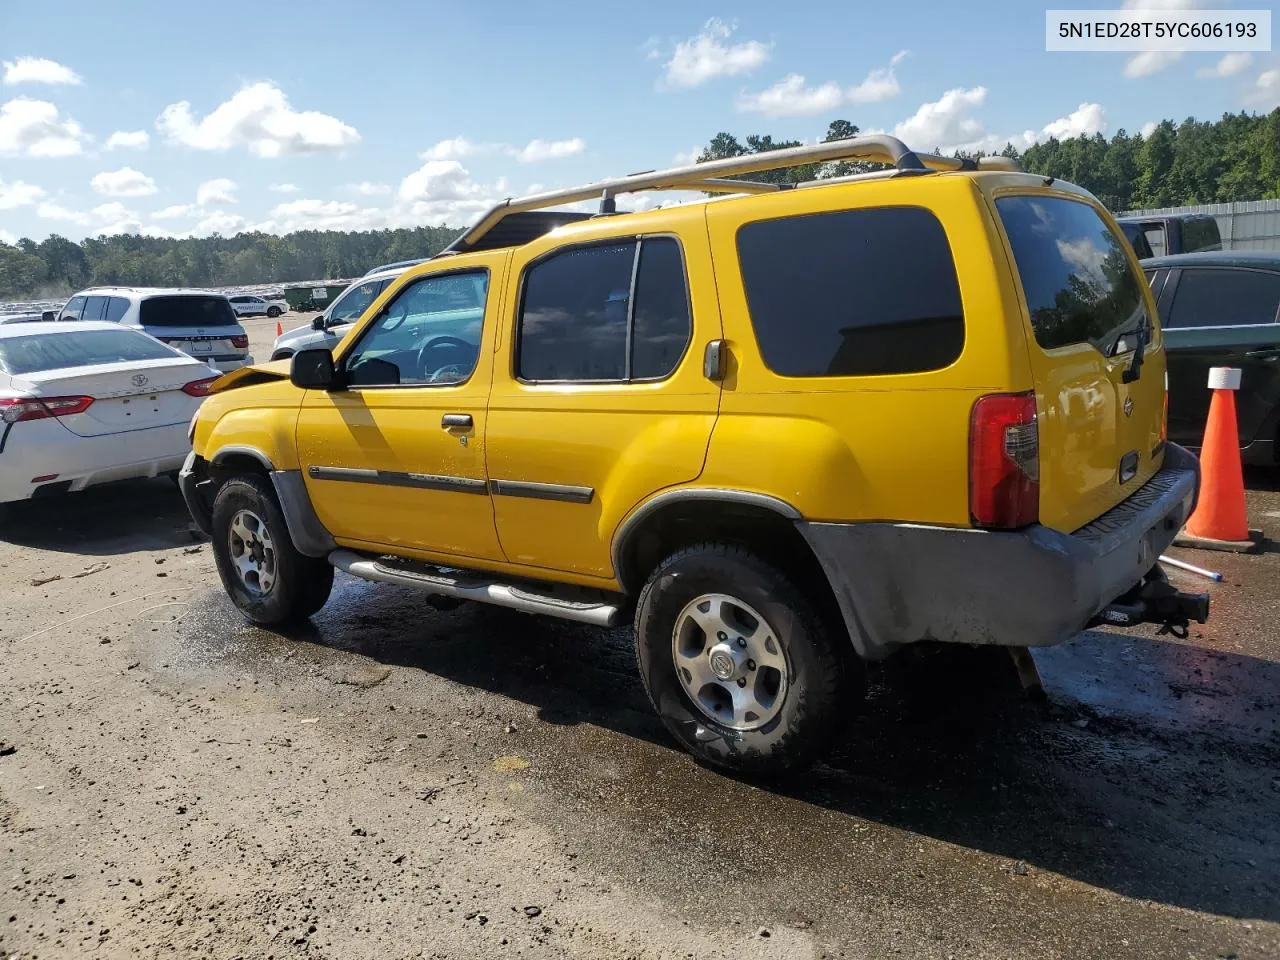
[189, 479]
[903, 583]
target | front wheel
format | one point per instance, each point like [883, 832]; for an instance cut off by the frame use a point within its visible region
[266, 577]
[739, 663]
[274, 312]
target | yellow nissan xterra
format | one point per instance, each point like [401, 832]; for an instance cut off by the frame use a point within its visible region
[787, 430]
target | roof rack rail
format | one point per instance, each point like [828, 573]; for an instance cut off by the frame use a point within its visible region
[716, 176]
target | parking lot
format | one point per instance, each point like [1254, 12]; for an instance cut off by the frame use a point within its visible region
[395, 781]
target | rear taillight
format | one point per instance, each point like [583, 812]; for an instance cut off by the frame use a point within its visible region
[240, 342]
[16, 410]
[1004, 461]
[198, 388]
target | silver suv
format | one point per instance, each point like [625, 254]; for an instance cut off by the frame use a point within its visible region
[199, 323]
[332, 325]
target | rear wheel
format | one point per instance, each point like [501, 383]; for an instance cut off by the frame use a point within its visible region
[265, 576]
[274, 312]
[739, 663]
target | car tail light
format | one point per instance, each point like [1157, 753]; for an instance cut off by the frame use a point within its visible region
[199, 388]
[240, 342]
[1004, 461]
[16, 410]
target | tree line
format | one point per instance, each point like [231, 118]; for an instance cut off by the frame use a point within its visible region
[1235, 158]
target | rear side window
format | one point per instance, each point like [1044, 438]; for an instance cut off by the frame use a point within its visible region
[852, 293]
[612, 312]
[1133, 233]
[186, 310]
[1224, 298]
[56, 351]
[94, 308]
[1154, 234]
[1075, 272]
[1200, 233]
[117, 307]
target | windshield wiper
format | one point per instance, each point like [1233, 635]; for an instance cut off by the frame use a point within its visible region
[1134, 370]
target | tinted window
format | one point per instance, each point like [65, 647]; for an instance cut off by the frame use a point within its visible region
[662, 325]
[428, 334]
[74, 307]
[54, 351]
[352, 304]
[1200, 233]
[1075, 272]
[1224, 298]
[117, 307]
[186, 310]
[852, 293]
[94, 308]
[573, 317]
[1133, 233]
[1154, 233]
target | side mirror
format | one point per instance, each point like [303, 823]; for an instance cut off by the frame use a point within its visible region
[313, 370]
[49, 316]
[317, 322]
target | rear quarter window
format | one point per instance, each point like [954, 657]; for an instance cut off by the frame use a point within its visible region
[186, 310]
[852, 292]
[1200, 233]
[1076, 276]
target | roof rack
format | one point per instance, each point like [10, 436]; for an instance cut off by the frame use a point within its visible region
[716, 176]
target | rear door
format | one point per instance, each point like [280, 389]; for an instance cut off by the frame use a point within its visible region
[1085, 300]
[1221, 317]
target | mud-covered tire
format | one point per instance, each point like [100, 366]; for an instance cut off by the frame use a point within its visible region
[299, 585]
[274, 312]
[824, 682]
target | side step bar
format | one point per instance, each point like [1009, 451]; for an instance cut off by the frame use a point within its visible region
[452, 582]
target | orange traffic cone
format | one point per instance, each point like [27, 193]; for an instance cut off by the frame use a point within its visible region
[1220, 521]
[279, 329]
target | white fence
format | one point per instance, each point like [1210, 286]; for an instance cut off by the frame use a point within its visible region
[1246, 225]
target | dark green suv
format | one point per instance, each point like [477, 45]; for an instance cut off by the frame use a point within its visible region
[1222, 309]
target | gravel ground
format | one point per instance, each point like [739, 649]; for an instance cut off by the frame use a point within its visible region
[396, 782]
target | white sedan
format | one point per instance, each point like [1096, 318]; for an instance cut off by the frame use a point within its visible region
[247, 305]
[87, 402]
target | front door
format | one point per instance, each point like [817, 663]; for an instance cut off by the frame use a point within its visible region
[1221, 317]
[600, 401]
[397, 458]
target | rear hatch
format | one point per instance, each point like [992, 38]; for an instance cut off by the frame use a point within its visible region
[1088, 311]
[202, 325]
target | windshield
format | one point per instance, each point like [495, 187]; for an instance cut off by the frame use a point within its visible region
[355, 301]
[39, 352]
[187, 310]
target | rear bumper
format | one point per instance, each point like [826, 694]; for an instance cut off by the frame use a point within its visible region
[192, 474]
[903, 583]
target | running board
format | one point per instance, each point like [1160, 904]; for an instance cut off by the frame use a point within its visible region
[465, 585]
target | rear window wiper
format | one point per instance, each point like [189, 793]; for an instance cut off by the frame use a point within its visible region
[1134, 370]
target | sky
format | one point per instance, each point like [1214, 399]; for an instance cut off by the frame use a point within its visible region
[181, 119]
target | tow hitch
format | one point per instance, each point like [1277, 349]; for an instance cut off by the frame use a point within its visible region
[1156, 600]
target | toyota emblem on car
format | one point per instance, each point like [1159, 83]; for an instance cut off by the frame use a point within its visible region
[138, 380]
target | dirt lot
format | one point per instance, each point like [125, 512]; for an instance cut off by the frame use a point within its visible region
[397, 782]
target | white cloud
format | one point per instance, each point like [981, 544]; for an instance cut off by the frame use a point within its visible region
[284, 188]
[7, 237]
[19, 194]
[1088, 119]
[1150, 61]
[536, 150]
[174, 212]
[219, 221]
[220, 190]
[1266, 90]
[440, 192]
[945, 121]
[314, 214]
[1148, 128]
[259, 118]
[128, 139]
[33, 128]
[880, 84]
[457, 148]
[1228, 66]
[39, 70]
[685, 157]
[791, 97]
[708, 55]
[125, 182]
[366, 189]
[56, 211]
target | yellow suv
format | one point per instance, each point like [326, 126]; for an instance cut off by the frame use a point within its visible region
[788, 430]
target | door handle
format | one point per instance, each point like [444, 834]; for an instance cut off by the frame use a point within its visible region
[451, 420]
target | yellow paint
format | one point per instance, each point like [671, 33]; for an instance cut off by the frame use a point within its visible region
[836, 448]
